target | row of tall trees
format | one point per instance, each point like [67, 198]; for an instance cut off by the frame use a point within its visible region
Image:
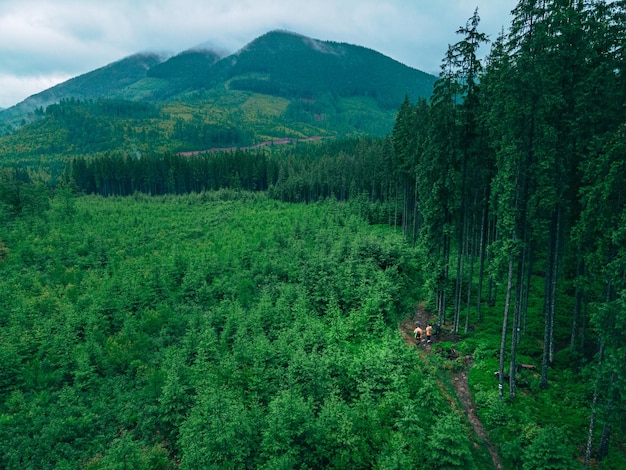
[303, 172]
[120, 175]
[520, 162]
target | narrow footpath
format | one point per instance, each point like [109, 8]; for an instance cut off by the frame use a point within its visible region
[458, 379]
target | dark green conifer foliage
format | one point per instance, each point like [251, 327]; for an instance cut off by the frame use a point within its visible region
[198, 313]
[405, 137]
[439, 182]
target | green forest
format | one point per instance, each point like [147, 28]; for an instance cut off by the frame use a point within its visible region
[255, 308]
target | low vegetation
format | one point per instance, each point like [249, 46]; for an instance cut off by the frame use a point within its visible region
[209, 331]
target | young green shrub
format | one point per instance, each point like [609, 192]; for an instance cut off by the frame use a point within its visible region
[549, 450]
[448, 447]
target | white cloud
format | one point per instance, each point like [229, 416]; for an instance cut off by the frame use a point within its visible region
[12, 86]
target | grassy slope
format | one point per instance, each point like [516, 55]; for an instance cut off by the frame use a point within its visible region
[257, 117]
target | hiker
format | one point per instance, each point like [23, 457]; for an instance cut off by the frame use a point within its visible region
[418, 333]
[429, 332]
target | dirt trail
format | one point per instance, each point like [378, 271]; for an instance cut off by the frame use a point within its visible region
[459, 379]
[283, 141]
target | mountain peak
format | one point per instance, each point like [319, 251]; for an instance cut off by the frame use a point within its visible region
[279, 63]
[190, 65]
[280, 40]
[292, 65]
[208, 47]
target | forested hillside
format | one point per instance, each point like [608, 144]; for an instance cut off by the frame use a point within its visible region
[292, 65]
[108, 81]
[282, 84]
[211, 331]
[242, 308]
[512, 179]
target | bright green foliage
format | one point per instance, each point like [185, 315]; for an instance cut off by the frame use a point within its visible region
[219, 432]
[448, 446]
[549, 450]
[217, 330]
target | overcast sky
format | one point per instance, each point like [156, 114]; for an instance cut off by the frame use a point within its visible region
[45, 42]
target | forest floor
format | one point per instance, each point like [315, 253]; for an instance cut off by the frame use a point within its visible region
[458, 377]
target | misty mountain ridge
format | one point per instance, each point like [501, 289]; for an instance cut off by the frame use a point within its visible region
[303, 83]
[107, 81]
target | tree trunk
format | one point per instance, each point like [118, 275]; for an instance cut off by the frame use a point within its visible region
[603, 450]
[577, 299]
[471, 243]
[457, 288]
[515, 329]
[445, 276]
[583, 327]
[529, 272]
[505, 322]
[550, 301]
[492, 287]
[594, 402]
[415, 213]
[481, 264]
[592, 423]
[395, 210]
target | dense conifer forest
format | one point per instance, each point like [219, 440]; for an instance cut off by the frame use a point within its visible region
[249, 308]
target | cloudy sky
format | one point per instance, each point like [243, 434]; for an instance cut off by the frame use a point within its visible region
[45, 42]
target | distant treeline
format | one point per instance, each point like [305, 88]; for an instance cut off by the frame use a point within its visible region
[115, 175]
[302, 173]
[75, 126]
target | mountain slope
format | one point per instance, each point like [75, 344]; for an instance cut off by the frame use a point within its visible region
[184, 65]
[107, 81]
[292, 65]
[280, 85]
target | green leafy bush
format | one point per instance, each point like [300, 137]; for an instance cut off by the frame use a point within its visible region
[549, 450]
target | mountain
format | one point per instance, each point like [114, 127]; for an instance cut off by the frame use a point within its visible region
[293, 65]
[107, 81]
[281, 84]
[187, 69]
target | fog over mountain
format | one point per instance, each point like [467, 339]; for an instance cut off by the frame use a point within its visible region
[46, 43]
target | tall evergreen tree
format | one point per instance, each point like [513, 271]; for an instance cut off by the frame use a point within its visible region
[404, 144]
[473, 168]
[439, 182]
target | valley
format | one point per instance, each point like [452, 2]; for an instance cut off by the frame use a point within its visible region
[217, 260]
